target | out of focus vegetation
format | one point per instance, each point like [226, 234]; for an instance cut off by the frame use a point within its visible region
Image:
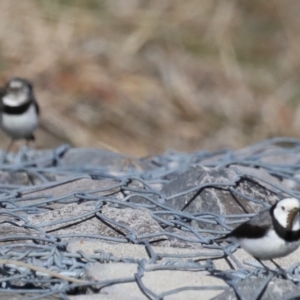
[146, 76]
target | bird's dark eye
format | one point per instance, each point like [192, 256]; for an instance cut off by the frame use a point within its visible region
[282, 207]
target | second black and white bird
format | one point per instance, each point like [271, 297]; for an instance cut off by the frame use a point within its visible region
[19, 110]
[272, 233]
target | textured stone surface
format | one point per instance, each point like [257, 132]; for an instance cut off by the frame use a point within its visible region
[70, 188]
[157, 281]
[213, 199]
[62, 215]
[120, 250]
[260, 175]
[139, 221]
[76, 186]
[85, 225]
[14, 178]
[277, 289]
[118, 219]
[19, 234]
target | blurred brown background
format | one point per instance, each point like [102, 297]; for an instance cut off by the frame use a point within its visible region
[145, 76]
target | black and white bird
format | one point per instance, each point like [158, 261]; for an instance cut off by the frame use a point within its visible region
[19, 116]
[272, 233]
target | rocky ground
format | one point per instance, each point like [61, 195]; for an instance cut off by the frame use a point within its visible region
[81, 223]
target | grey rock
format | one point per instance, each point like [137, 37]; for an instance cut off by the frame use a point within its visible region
[81, 219]
[157, 281]
[260, 175]
[213, 199]
[138, 221]
[71, 188]
[67, 216]
[277, 289]
[72, 215]
[14, 178]
[69, 220]
[166, 254]
[11, 231]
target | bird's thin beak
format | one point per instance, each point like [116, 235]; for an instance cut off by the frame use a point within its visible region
[296, 210]
[291, 217]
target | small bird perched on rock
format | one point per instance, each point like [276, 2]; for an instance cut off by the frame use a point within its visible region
[19, 116]
[272, 233]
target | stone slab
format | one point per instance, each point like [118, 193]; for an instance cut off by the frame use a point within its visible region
[157, 281]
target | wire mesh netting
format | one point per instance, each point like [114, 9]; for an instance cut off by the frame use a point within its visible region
[50, 200]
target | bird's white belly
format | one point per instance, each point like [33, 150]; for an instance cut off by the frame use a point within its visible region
[269, 247]
[20, 126]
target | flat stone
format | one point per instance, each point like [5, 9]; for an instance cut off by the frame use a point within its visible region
[61, 215]
[243, 257]
[88, 225]
[211, 199]
[15, 234]
[256, 174]
[14, 178]
[70, 188]
[277, 289]
[137, 220]
[122, 250]
[76, 186]
[157, 281]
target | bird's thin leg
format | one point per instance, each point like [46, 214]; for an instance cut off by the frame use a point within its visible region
[29, 139]
[266, 268]
[275, 264]
[280, 271]
[10, 146]
[27, 143]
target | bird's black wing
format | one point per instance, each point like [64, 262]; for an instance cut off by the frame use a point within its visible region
[256, 227]
[37, 108]
[2, 93]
